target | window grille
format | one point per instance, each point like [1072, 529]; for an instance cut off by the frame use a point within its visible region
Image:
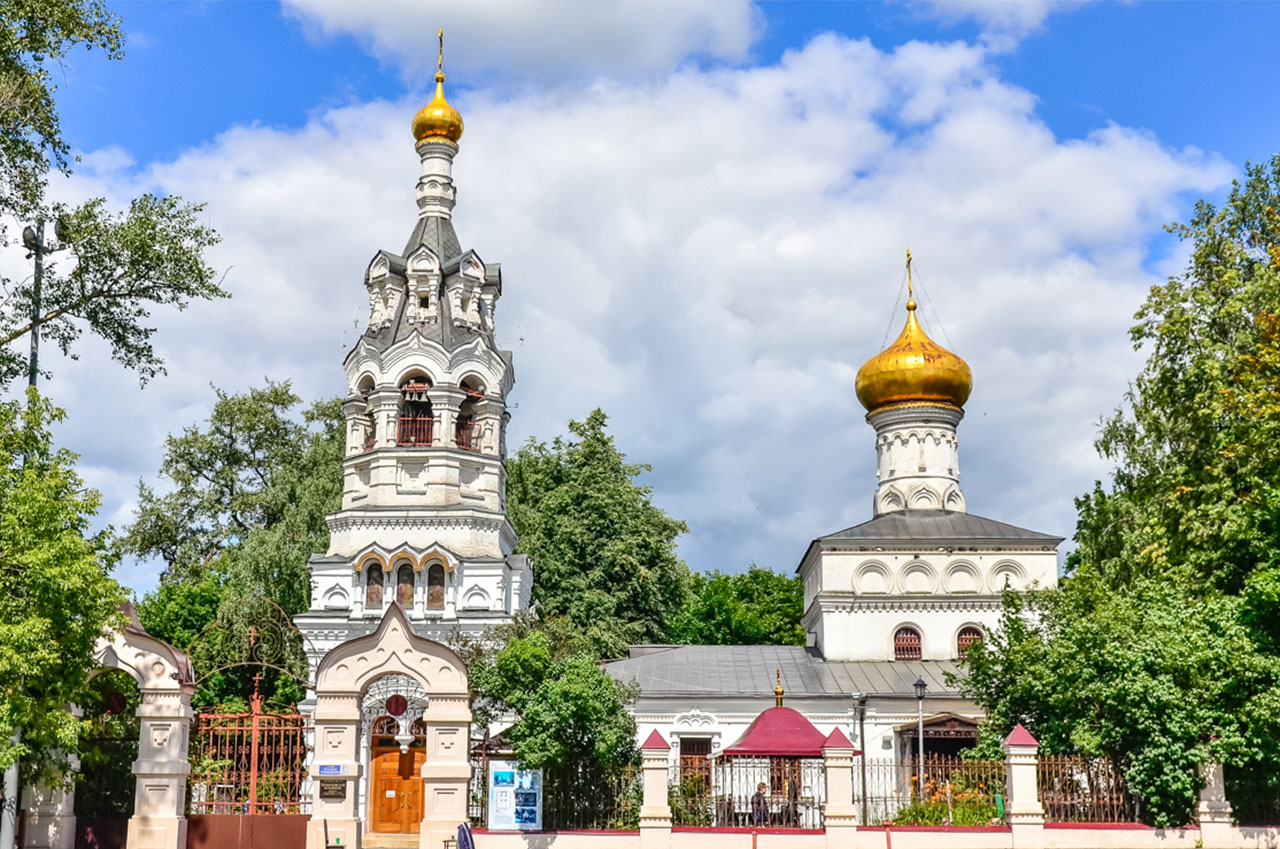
[906, 644]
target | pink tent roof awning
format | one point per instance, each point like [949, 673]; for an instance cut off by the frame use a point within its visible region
[780, 732]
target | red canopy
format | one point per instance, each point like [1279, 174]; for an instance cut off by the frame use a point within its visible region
[780, 731]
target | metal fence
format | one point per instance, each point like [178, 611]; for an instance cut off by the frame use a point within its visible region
[582, 797]
[249, 763]
[1254, 794]
[773, 792]
[943, 790]
[1078, 788]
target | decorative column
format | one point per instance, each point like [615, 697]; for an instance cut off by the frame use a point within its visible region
[1023, 810]
[159, 810]
[335, 772]
[446, 771]
[655, 811]
[1214, 811]
[385, 403]
[839, 816]
[51, 815]
[353, 413]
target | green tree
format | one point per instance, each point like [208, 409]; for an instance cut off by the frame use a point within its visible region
[1160, 647]
[569, 712]
[56, 596]
[122, 266]
[757, 607]
[603, 554]
[118, 266]
[247, 495]
[36, 37]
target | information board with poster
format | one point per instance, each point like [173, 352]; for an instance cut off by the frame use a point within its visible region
[515, 797]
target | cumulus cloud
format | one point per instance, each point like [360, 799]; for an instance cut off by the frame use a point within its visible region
[1004, 22]
[541, 37]
[710, 259]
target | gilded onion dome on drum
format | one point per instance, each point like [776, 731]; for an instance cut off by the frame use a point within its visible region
[438, 119]
[914, 370]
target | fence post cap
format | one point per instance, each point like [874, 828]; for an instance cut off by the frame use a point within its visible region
[655, 743]
[836, 740]
[1020, 736]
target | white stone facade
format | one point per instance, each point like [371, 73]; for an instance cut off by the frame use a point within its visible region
[917, 458]
[423, 518]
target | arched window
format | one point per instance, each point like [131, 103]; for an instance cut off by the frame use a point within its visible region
[906, 644]
[417, 419]
[468, 435]
[968, 636]
[373, 586]
[370, 421]
[435, 586]
[404, 586]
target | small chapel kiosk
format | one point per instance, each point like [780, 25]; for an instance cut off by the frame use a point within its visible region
[421, 549]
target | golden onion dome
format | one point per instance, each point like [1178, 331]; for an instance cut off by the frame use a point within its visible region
[438, 120]
[913, 370]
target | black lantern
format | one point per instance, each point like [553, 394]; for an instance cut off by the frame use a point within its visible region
[920, 687]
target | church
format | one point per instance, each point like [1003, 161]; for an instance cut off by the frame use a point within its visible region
[890, 605]
[421, 552]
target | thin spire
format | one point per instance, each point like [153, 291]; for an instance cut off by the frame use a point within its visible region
[440, 60]
[777, 691]
[911, 289]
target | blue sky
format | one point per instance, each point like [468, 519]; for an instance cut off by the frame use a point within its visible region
[700, 209]
[1193, 73]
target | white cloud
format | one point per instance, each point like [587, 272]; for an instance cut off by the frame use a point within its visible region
[709, 258]
[1004, 22]
[541, 37]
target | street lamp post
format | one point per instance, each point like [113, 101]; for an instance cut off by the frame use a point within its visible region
[920, 688]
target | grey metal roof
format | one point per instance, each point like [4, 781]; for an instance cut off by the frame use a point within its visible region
[908, 525]
[438, 235]
[749, 670]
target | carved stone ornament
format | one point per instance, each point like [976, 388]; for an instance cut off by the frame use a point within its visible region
[405, 694]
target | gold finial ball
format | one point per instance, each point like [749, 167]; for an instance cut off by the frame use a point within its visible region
[437, 120]
[914, 370]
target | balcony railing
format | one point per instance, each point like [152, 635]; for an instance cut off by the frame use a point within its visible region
[468, 436]
[415, 430]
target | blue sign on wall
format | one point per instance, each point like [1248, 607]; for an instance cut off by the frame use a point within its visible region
[330, 769]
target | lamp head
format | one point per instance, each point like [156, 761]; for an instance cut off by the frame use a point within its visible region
[920, 687]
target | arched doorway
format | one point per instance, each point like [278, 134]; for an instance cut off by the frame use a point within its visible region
[392, 716]
[395, 778]
[104, 783]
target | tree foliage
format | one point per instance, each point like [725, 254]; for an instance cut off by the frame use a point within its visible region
[56, 596]
[1160, 647]
[757, 607]
[121, 267]
[36, 37]
[603, 553]
[568, 711]
[247, 495]
[116, 267]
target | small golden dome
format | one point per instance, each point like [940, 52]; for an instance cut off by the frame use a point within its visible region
[438, 120]
[914, 370]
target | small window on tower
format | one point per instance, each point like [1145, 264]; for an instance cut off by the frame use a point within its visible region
[424, 302]
[968, 636]
[906, 644]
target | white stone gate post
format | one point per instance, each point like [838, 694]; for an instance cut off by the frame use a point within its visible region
[655, 811]
[1023, 810]
[159, 818]
[839, 816]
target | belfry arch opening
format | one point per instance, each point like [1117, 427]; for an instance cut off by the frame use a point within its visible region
[417, 419]
[364, 389]
[468, 430]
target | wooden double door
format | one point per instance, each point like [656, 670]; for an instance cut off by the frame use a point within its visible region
[395, 800]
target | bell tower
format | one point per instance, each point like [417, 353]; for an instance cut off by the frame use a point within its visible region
[423, 519]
